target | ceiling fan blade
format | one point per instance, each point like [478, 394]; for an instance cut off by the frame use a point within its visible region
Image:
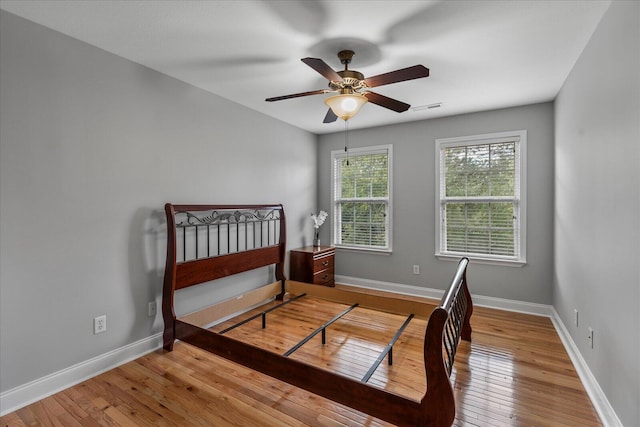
[321, 67]
[409, 73]
[330, 117]
[387, 102]
[296, 95]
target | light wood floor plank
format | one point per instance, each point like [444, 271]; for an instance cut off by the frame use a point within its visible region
[515, 373]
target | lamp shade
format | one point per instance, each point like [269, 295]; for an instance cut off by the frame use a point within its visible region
[346, 105]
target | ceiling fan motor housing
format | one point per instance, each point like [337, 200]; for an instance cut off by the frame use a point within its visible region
[350, 80]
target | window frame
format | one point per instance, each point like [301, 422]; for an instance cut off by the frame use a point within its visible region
[519, 199]
[336, 222]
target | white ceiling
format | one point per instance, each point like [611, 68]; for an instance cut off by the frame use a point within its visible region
[481, 54]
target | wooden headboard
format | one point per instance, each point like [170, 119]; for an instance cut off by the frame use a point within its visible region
[208, 242]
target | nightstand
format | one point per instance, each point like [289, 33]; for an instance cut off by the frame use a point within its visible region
[313, 264]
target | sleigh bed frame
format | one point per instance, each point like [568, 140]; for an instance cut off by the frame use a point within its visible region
[209, 242]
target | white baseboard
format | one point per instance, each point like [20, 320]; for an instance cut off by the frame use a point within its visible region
[33, 391]
[598, 398]
[593, 389]
[390, 287]
[478, 300]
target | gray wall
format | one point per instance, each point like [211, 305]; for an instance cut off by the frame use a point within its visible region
[597, 187]
[414, 203]
[92, 146]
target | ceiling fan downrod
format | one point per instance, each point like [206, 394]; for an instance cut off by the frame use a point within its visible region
[345, 57]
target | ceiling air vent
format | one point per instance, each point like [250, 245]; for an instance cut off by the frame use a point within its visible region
[427, 107]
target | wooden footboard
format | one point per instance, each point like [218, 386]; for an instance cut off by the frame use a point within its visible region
[448, 322]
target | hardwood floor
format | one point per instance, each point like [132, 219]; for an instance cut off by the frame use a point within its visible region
[514, 373]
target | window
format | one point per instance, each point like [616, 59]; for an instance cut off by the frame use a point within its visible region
[480, 197]
[362, 198]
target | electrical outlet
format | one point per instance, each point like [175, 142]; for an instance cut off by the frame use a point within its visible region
[590, 337]
[575, 312]
[152, 308]
[100, 324]
[416, 269]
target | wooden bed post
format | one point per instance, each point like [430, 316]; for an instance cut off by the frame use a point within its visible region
[168, 314]
[283, 252]
[438, 403]
[466, 324]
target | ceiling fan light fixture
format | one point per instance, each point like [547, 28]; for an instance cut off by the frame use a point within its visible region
[346, 105]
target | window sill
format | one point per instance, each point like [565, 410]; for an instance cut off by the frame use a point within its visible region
[364, 250]
[481, 260]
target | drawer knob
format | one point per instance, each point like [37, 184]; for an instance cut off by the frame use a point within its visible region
[325, 276]
[325, 263]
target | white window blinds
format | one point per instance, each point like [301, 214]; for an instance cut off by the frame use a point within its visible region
[480, 196]
[361, 198]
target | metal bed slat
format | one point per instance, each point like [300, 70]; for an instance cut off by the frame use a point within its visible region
[386, 350]
[262, 313]
[320, 329]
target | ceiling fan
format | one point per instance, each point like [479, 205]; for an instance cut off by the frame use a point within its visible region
[352, 89]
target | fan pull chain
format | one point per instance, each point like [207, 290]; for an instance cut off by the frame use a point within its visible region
[346, 139]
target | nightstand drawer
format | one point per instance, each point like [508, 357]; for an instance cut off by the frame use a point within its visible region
[322, 263]
[324, 277]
